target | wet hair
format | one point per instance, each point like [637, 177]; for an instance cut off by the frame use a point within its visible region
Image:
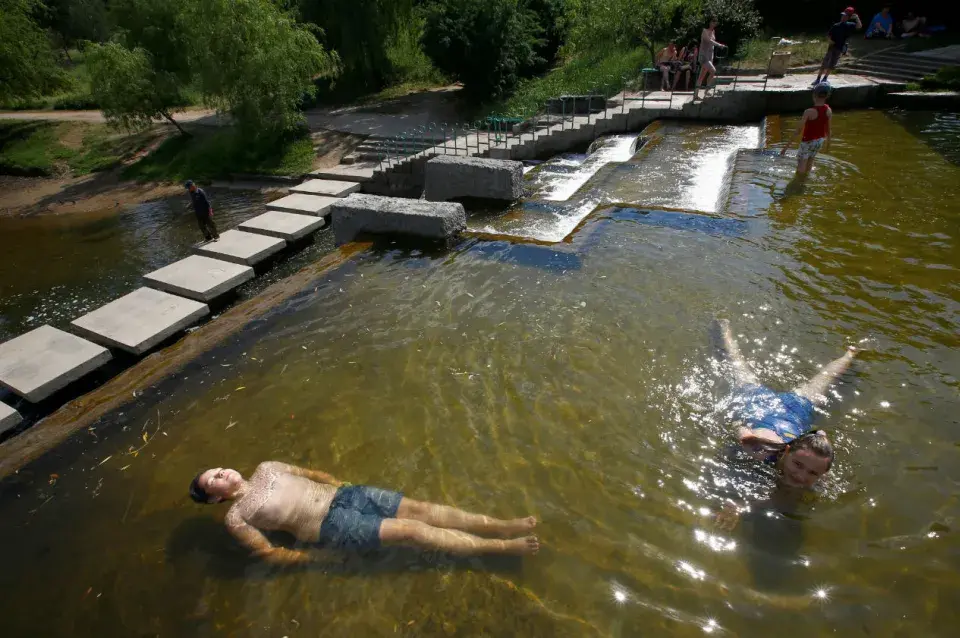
[197, 493]
[711, 20]
[815, 441]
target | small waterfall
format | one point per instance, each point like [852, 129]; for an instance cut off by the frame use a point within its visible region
[558, 179]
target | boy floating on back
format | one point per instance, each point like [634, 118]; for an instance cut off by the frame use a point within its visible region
[814, 128]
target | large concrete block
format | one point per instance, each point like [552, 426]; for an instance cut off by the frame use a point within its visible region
[450, 177]
[37, 364]
[139, 321]
[303, 204]
[289, 226]
[326, 187]
[374, 214]
[200, 278]
[247, 249]
[9, 418]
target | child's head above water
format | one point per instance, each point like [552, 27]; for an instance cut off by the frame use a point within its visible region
[821, 92]
[805, 459]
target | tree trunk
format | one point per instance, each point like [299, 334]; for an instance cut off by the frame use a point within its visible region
[170, 119]
[66, 52]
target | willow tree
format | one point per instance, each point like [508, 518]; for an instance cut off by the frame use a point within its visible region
[28, 67]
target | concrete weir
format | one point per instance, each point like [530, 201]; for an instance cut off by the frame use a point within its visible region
[289, 226]
[304, 204]
[9, 418]
[200, 278]
[326, 187]
[37, 364]
[392, 215]
[139, 321]
[452, 177]
[238, 247]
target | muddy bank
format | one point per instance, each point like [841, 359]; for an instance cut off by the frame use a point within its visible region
[25, 196]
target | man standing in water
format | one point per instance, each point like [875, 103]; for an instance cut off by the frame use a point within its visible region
[317, 508]
[203, 210]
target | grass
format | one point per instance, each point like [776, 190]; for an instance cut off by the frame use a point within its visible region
[945, 79]
[75, 96]
[57, 148]
[601, 72]
[219, 152]
[756, 52]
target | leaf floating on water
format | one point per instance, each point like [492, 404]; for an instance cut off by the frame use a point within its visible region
[469, 295]
[144, 437]
[243, 387]
[105, 460]
[124, 467]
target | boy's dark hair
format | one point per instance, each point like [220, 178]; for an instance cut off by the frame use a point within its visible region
[816, 441]
[197, 493]
[822, 90]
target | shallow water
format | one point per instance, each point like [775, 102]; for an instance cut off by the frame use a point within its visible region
[576, 382]
[58, 267]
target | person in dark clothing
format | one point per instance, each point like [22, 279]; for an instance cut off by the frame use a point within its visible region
[204, 212]
[837, 36]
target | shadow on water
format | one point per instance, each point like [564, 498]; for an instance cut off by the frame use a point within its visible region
[935, 129]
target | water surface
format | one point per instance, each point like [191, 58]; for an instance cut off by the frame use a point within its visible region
[578, 383]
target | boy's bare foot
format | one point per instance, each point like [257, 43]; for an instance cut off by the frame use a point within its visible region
[509, 529]
[522, 546]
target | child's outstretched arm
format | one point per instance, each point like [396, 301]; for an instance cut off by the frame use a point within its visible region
[796, 135]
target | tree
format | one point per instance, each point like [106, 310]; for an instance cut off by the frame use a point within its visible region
[131, 91]
[551, 16]
[28, 67]
[247, 57]
[602, 24]
[76, 21]
[254, 60]
[360, 32]
[738, 20]
[486, 44]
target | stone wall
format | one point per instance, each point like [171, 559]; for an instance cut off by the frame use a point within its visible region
[450, 177]
[396, 216]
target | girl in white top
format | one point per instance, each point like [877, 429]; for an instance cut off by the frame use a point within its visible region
[708, 40]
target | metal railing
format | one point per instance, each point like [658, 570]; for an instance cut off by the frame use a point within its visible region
[505, 130]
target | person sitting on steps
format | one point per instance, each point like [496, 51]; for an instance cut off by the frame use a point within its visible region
[881, 26]
[665, 62]
[687, 59]
[317, 508]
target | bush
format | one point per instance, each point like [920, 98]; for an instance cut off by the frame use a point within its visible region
[489, 45]
[551, 16]
[75, 102]
[738, 21]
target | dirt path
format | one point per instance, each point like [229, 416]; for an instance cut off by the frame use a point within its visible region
[198, 116]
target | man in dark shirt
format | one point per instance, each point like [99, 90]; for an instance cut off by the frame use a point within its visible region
[837, 36]
[204, 212]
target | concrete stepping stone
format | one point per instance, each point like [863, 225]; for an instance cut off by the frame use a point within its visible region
[289, 226]
[328, 187]
[42, 361]
[303, 204]
[347, 173]
[198, 277]
[139, 321]
[394, 215]
[9, 418]
[238, 247]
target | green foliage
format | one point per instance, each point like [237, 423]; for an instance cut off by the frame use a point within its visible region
[37, 148]
[489, 45]
[738, 21]
[551, 15]
[222, 152]
[361, 32]
[594, 74]
[756, 52]
[75, 102]
[255, 61]
[75, 21]
[129, 88]
[947, 79]
[409, 65]
[652, 23]
[28, 67]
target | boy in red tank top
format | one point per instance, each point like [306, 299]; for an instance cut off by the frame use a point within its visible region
[814, 128]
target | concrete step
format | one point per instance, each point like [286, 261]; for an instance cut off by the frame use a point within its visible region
[880, 73]
[288, 226]
[902, 61]
[238, 247]
[326, 187]
[9, 418]
[42, 361]
[200, 278]
[360, 172]
[303, 204]
[141, 320]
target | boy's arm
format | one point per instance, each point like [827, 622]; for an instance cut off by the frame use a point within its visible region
[313, 475]
[797, 134]
[254, 540]
[829, 125]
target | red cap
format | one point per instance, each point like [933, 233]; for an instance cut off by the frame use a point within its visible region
[850, 11]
